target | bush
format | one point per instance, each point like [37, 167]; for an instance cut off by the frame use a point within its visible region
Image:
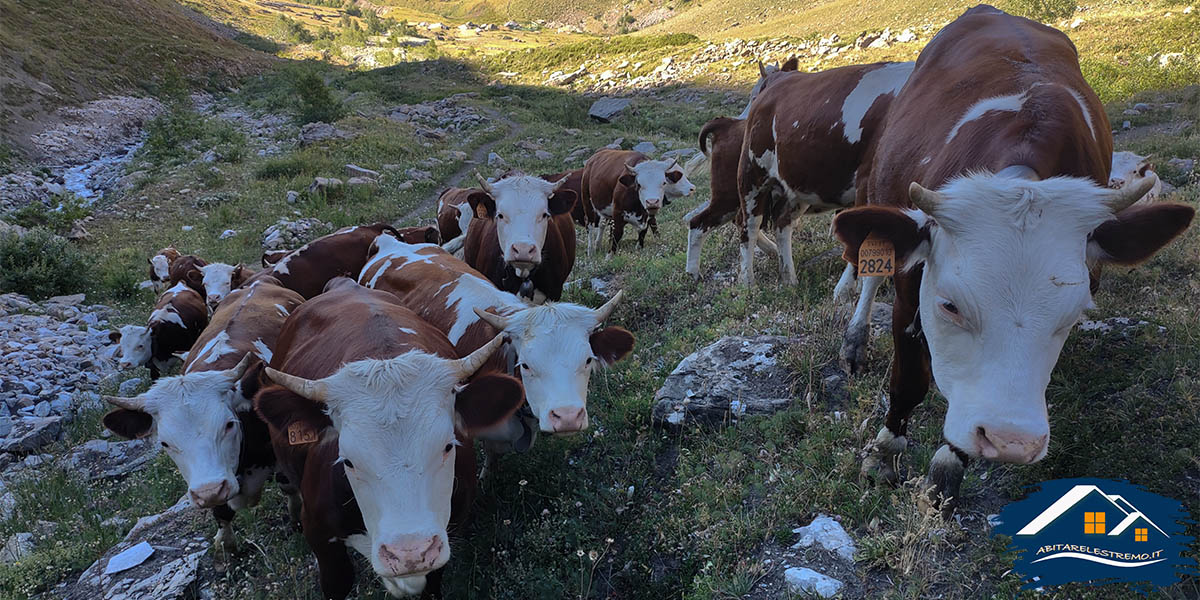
[1044, 10]
[178, 132]
[286, 29]
[40, 265]
[59, 220]
[316, 101]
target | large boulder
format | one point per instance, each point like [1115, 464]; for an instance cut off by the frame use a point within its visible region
[607, 109]
[31, 433]
[731, 378]
[293, 234]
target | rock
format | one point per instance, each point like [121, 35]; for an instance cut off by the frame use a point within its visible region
[129, 558]
[494, 160]
[802, 580]
[1126, 125]
[101, 459]
[606, 109]
[734, 376]
[78, 232]
[6, 425]
[186, 227]
[17, 230]
[292, 196]
[1131, 112]
[645, 148]
[419, 175]
[31, 433]
[361, 182]
[42, 409]
[1141, 107]
[357, 171]
[578, 154]
[323, 185]
[129, 387]
[1122, 326]
[71, 300]
[404, 186]
[542, 155]
[8, 502]
[286, 233]
[616, 144]
[1185, 165]
[1076, 23]
[311, 133]
[228, 233]
[829, 534]
[906, 36]
[561, 78]
[18, 546]
[681, 154]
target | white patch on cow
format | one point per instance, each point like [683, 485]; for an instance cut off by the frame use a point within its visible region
[218, 280]
[464, 216]
[408, 330]
[1009, 103]
[178, 288]
[134, 346]
[388, 248]
[166, 314]
[888, 79]
[382, 269]
[212, 351]
[261, 349]
[469, 292]
[1087, 114]
[283, 311]
[1012, 316]
[651, 178]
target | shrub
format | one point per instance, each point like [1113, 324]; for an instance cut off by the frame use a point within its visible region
[286, 29]
[316, 101]
[41, 265]
[1044, 10]
[71, 208]
[178, 132]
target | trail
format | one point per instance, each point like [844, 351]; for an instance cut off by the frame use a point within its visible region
[478, 157]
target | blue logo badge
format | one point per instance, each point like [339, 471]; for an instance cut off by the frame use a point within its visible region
[1097, 531]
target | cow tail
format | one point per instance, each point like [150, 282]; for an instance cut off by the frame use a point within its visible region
[712, 127]
[391, 230]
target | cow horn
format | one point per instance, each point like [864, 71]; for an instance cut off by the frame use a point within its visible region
[629, 167]
[135, 403]
[603, 312]
[1119, 200]
[483, 183]
[762, 70]
[500, 322]
[926, 200]
[240, 369]
[558, 184]
[470, 363]
[314, 390]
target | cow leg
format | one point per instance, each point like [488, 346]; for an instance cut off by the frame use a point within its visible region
[944, 482]
[642, 238]
[843, 292]
[787, 266]
[618, 230]
[654, 222]
[765, 244]
[695, 244]
[224, 543]
[336, 572]
[154, 372]
[858, 332]
[592, 236]
[750, 232]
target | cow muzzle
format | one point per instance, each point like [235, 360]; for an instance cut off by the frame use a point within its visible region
[1012, 443]
[567, 419]
[211, 494]
[213, 301]
[411, 555]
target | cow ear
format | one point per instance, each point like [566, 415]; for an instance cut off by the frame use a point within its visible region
[627, 180]
[611, 344]
[432, 236]
[114, 336]
[280, 407]
[791, 64]
[129, 424]
[483, 204]
[1137, 233]
[249, 385]
[194, 277]
[488, 401]
[909, 238]
[562, 201]
[674, 176]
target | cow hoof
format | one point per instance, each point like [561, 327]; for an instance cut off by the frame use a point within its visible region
[941, 488]
[853, 357]
[883, 457]
[224, 543]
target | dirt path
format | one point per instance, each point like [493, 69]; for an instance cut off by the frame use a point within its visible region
[478, 157]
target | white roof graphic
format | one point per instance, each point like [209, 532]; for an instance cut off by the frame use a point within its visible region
[1073, 497]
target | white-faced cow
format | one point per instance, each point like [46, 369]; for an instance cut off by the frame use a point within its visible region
[585, 216]
[371, 418]
[553, 347]
[1128, 169]
[806, 136]
[626, 187]
[989, 181]
[219, 279]
[178, 319]
[522, 238]
[160, 267]
[204, 418]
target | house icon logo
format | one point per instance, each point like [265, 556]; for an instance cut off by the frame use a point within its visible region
[1097, 531]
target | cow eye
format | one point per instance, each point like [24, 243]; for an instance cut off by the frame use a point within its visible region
[229, 426]
[524, 367]
[589, 360]
[950, 312]
[950, 307]
[166, 445]
[500, 216]
[448, 448]
[347, 464]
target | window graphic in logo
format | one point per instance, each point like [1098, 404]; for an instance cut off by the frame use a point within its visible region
[1097, 531]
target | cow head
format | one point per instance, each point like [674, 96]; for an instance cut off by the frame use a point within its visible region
[424, 234]
[160, 266]
[1128, 169]
[219, 279]
[270, 257]
[651, 179]
[678, 185]
[395, 423]
[765, 71]
[133, 348]
[195, 416]
[1006, 277]
[522, 207]
[557, 346]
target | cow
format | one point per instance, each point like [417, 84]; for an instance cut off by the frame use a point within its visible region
[522, 238]
[625, 187]
[806, 137]
[178, 319]
[204, 418]
[271, 257]
[554, 347]
[723, 156]
[369, 417]
[307, 269]
[218, 279]
[996, 209]
[1128, 168]
[160, 267]
[423, 234]
[585, 216]
[454, 216]
[186, 269]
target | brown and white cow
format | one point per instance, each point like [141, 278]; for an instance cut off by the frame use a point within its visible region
[585, 216]
[522, 238]
[554, 347]
[204, 418]
[1128, 169]
[626, 187]
[178, 319]
[186, 269]
[989, 180]
[368, 418]
[270, 257]
[343, 252]
[454, 216]
[160, 267]
[218, 279]
[723, 156]
[805, 139]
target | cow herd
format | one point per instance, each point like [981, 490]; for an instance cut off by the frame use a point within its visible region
[359, 369]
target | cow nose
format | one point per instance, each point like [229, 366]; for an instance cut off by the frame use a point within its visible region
[568, 419]
[524, 253]
[410, 554]
[1012, 443]
[210, 494]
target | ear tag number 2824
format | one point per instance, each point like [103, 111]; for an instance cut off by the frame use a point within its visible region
[876, 257]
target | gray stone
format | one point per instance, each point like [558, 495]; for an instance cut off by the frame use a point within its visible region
[681, 154]
[101, 459]
[1125, 125]
[542, 155]
[645, 147]
[829, 534]
[228, 233]
[1183, 164]
[324, 185]
[494, 160]
[361, 182]
[802, 580]
[1141, 107]
[42, 409]
[32, 433]
[616, 144]
[607, 109]
[732, 377]
[8, 502]
[292, 196]
[6, 424]
[129, 386]
[357, 171]
[18, 546]
[404, 186]
[318, 132]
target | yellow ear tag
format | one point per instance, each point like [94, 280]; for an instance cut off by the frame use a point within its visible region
[481, 211]
[299, 433]
[876, 257]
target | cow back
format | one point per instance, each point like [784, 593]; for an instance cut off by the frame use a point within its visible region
[247, 320]
[342, 253]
